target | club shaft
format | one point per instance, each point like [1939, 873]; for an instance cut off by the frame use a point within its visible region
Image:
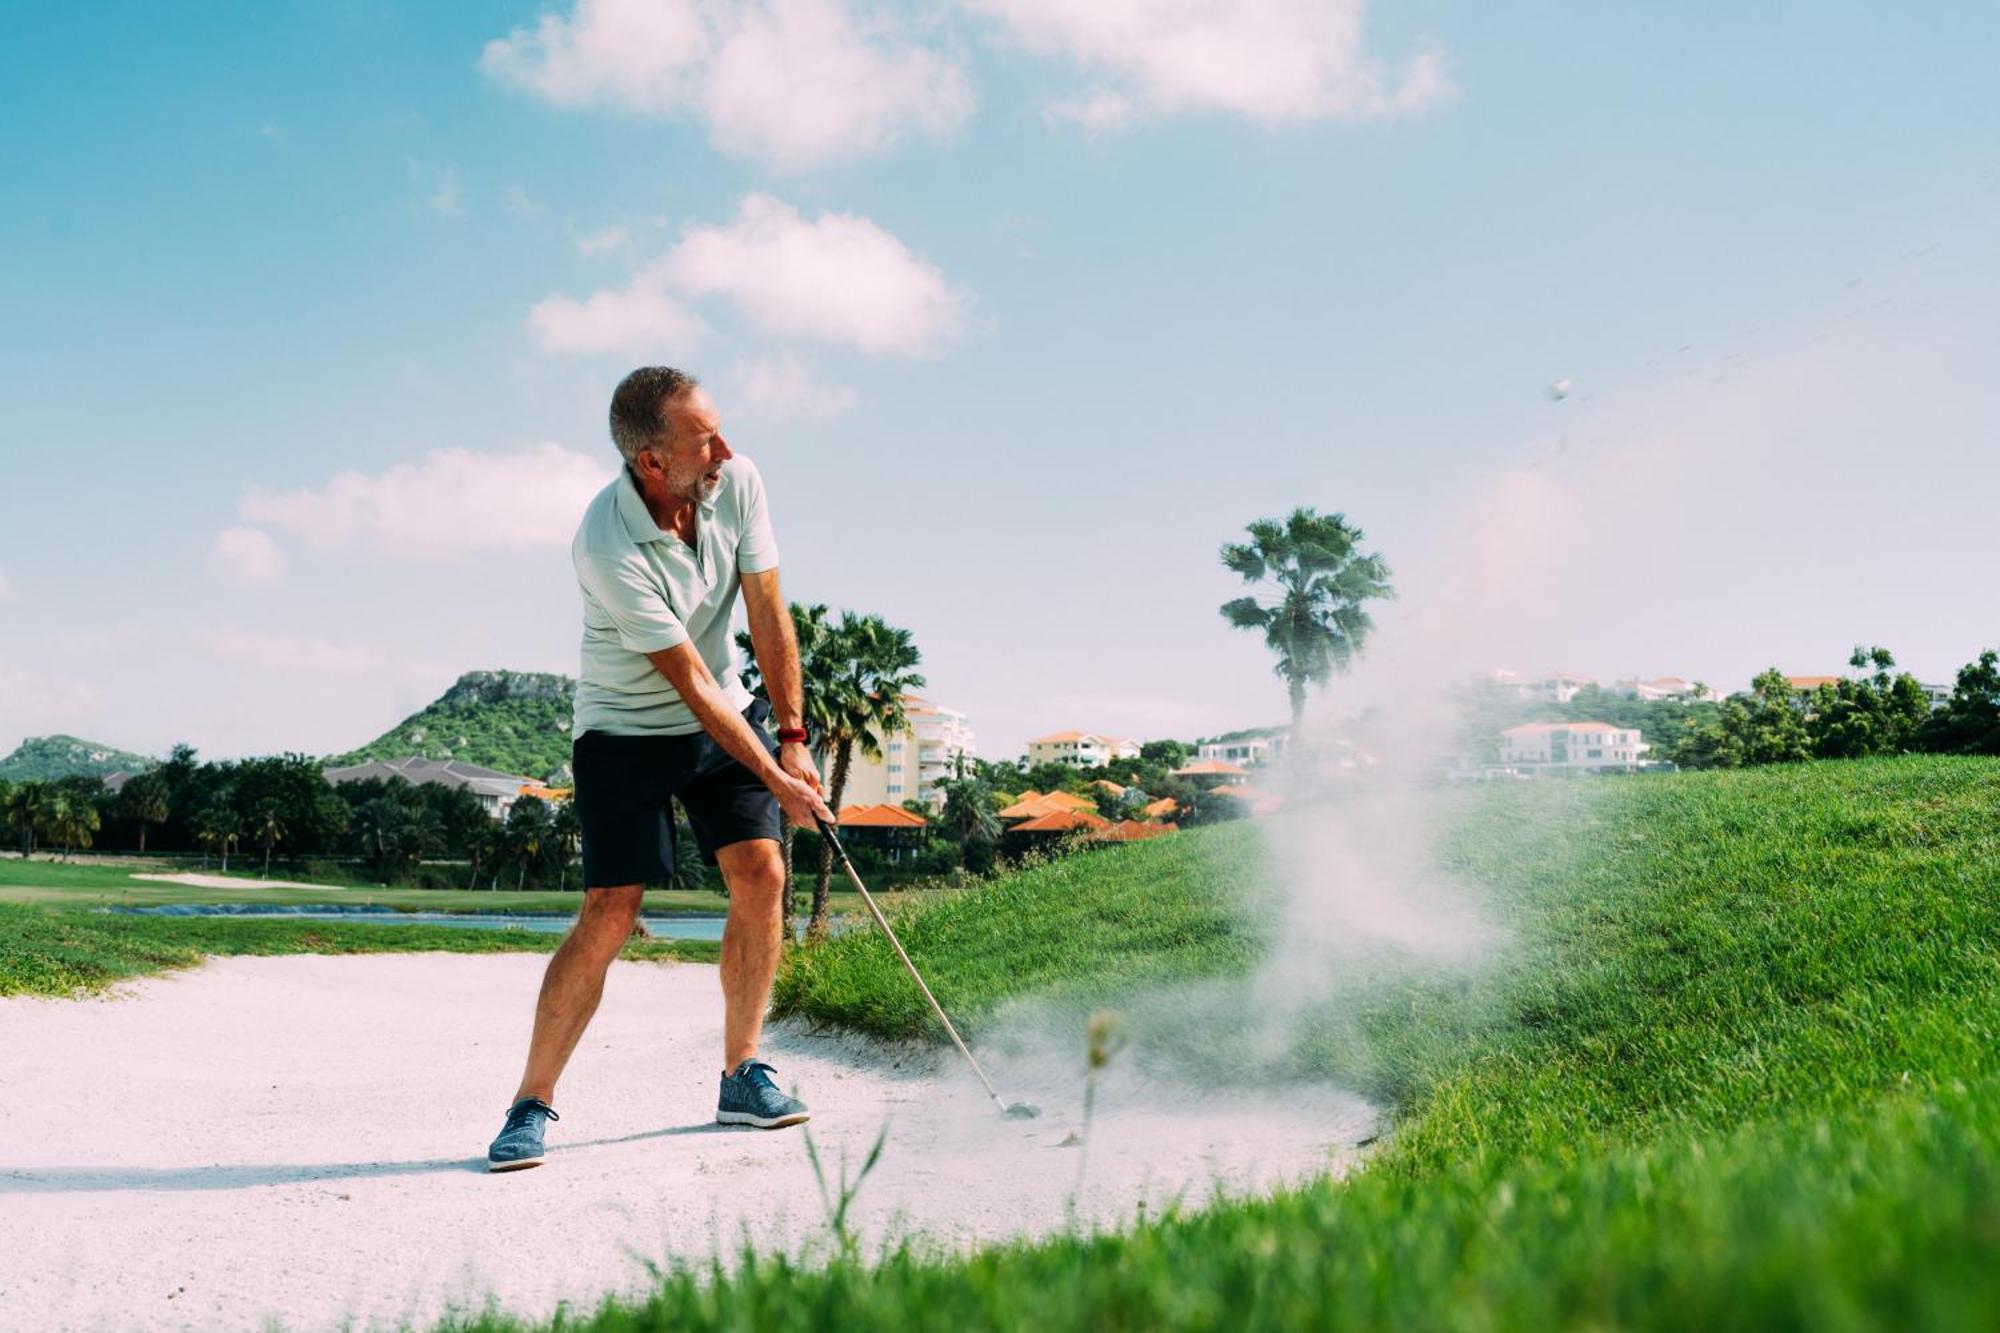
[866, 897]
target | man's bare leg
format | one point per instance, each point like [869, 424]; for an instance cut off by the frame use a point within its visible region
[574, 983]
[755, 873]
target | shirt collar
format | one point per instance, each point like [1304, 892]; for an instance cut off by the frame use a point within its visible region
[639, 522]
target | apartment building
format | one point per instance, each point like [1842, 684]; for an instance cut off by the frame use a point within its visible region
[914, 761]
[1080, 749]
[1571, 747]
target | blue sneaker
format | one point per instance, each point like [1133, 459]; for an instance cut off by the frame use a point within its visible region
[520, 1141]
[749, 1097]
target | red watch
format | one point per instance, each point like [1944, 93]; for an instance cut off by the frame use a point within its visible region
[791, 735]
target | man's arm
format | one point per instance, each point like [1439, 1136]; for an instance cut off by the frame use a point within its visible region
[690, 677]
[776, 644]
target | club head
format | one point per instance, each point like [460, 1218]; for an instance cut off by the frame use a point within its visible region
[1022, 1111]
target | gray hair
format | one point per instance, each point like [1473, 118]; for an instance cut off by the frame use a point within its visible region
[638, 407]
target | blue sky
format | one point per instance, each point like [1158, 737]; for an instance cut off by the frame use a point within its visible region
[1023, 308]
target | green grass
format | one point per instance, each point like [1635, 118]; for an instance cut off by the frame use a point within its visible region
[1740, 1070]
[66, 953]
[1076, 928]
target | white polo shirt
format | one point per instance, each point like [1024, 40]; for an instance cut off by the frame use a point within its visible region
[645, 590]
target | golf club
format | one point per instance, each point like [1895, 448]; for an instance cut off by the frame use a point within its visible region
[1012, 1110]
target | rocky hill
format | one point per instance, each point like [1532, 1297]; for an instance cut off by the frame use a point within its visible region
[516, 721]
[40, 758]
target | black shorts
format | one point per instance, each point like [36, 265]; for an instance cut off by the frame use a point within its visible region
[622, 786]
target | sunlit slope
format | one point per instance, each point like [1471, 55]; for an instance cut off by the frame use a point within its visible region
[1741, 1070]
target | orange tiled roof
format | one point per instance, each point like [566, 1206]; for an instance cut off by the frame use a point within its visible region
[1111, 787]
[1206, 768]
[1166, 805]
[1028, 808]
[1812, 682]
[1132, 830]
[880, 816]
[1057, 736]
[1062, 821]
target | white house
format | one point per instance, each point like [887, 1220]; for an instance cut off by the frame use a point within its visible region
[1678, 688]
[1245, 751]
[914, 761]
[1571, 747]
[1080, 749]
[1558, 687]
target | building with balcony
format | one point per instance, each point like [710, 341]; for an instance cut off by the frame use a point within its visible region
[914, 762]
[1571, 747]
[1080, 749]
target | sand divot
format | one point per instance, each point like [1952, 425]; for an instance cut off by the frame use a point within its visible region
[301, 1139]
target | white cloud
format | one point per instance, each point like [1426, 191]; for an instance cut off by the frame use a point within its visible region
[6, 586]
[448, 199]
[786, 389]
[838, 277]
[641, 318]
[247, 556]
[1270, 61]
[268, 652]
[603, 241]
[453, 503]
[794, 83]
[519, 203]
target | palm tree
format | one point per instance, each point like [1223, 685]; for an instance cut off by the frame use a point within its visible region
[818, 661]
[1317, 624]
[268, 829]
[565, 832]
[217, 827]
[71, 820]
[27, 810]
[872, 666]
[968, 815]
[143, 800]
[527, 834]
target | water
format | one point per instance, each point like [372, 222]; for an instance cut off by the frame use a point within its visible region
[552, 923]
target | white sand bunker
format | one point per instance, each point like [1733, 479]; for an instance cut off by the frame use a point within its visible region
[301, 1141]
[195, 880]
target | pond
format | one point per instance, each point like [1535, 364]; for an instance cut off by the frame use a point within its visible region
[666, 927]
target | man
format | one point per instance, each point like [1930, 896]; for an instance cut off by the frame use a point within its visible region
[660, 712]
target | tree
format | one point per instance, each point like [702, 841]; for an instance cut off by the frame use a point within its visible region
[1852, 719]
[529, 830]
[565, 835]
[1969, 721]
[1168, 754]
[374, 830]
[142, 801]
[27, 810]
[869, 666]
[818, 654]
[71, 819]
[216, 827]
[1764, 727]
[268, 829]
[1318, 622]
[968, 816]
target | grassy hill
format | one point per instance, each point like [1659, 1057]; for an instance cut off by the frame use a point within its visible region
[1740, 1070]
[516, 721]
[40, 758]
